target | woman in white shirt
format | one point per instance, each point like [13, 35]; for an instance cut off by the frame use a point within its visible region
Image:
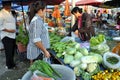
[8, 33]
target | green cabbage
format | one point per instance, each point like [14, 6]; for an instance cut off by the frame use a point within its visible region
[78, 55]
[78, 71]
[83, 66]
[70, 50]
[68, 58]
[84, 51]
[86, 76]
[92, 58]
[75, 63]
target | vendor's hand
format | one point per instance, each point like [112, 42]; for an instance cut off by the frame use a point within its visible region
[47, 54]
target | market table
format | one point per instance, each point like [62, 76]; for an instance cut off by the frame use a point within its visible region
[60, 60]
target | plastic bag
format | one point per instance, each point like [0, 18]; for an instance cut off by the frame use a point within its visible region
[37, 75]
[100, 48]
[67, 38]
[46, 59]
[109, 65]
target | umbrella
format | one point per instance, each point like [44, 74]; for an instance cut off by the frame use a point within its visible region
[88, 2]
[113, 3]
[67, 9]
[48, 2]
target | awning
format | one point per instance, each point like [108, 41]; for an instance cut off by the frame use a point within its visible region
[88, 2]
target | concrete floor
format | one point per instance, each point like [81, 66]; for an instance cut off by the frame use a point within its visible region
[6, 74]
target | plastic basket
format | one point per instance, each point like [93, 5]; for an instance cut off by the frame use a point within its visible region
[66, 72]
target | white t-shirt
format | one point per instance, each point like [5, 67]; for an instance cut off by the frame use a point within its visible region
[7, 21]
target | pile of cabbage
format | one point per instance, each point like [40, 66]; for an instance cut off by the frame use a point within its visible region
[98, 44]
[83, 62]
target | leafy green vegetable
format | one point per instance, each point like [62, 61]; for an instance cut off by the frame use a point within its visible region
[112, 60]
[92, 58]
[75, 63]
[22, 36]
[97, 40]
[83, 66]
[78, 71]
[71, 50]
[45, 68]
[84, 51]
[78, 55]
[68, 58]
[86, 76]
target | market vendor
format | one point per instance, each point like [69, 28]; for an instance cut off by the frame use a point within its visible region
[77, 12]
[83, 25]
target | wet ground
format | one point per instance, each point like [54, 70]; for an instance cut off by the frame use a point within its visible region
[6, 74]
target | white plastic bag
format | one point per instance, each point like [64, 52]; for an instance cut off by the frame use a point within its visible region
[109, 65]
[100, 48]
[68, 38]
[37, 75]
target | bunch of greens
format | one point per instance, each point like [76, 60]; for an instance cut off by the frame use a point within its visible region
[45, 68]
[22, 36]
[97, 40]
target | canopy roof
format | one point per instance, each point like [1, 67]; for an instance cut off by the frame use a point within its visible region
[113, 3]
[26, 2]
[88, 2]
[48, 2]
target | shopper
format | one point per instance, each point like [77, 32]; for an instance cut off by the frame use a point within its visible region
[38, 34]
[8, 33]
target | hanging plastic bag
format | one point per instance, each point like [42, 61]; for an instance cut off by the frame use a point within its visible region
[46, 59]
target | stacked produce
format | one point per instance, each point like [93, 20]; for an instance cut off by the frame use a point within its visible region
[87, 63]
[107, 75]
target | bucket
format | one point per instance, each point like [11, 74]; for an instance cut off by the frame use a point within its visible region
[66, 72]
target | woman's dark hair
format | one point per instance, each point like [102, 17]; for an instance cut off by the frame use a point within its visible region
[76, 9]
[34, 8]
[5, 3]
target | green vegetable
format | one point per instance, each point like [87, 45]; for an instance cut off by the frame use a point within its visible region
[112, 60]
[84, 51]
[93, 68]
[71, 51]
[77, 46]
[92, 58]
[68, 58]
[78, 55]
[86, 76]
[100, 49]
[74, 63]
[45, 68]
[78, 71]
[97, 40]
[83, 66]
